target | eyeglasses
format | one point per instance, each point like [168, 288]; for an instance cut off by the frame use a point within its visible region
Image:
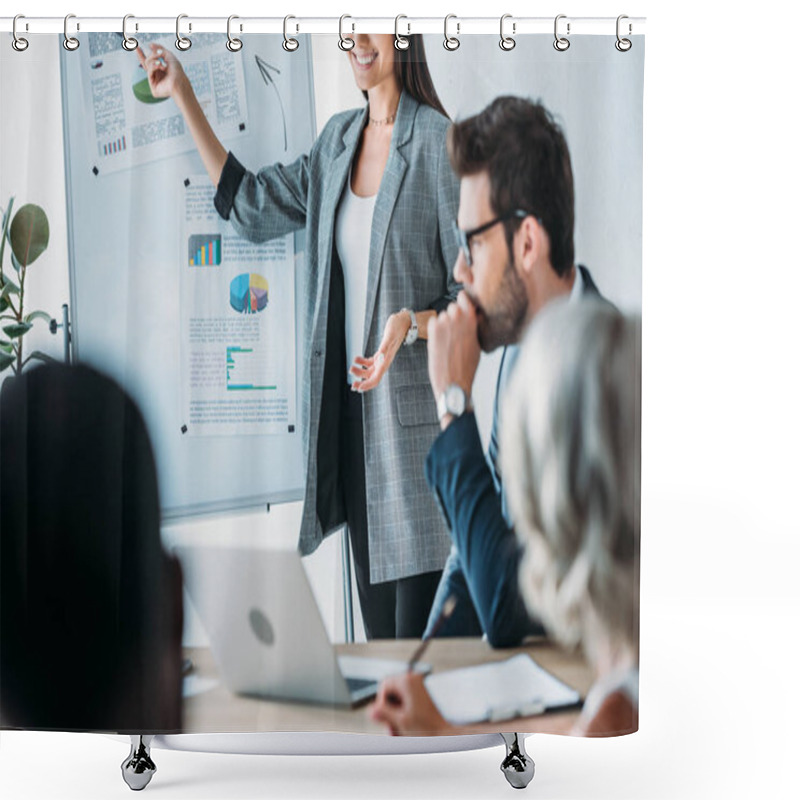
[464, 236]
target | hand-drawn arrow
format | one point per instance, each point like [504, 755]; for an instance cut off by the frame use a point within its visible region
[269, 79]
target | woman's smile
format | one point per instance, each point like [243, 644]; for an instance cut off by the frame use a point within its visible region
[364, 60]
[373, 62]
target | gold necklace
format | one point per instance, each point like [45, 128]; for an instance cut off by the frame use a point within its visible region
[385, 121]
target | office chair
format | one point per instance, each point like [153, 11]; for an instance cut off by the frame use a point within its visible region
[90, 604]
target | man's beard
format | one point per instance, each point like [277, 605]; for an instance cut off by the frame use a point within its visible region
[504, 322]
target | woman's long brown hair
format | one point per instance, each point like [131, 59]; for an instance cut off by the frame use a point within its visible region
[411, 70]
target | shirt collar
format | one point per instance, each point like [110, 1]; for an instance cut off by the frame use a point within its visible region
[577, 286]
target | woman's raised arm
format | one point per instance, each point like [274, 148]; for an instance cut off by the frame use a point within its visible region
[167, 79]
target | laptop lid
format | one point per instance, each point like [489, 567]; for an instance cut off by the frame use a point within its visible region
[265, 630]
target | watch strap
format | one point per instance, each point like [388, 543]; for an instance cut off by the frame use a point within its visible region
[443, 407]
[413, 332]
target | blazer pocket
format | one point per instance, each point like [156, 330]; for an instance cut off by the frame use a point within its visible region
[415, 406]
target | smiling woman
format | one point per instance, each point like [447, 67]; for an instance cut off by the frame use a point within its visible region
[373, 60]
[377, 184]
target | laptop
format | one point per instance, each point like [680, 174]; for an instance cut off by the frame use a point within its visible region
[266, 633]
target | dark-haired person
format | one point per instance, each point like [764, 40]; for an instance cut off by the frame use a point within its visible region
[515, 222]
[378, 199]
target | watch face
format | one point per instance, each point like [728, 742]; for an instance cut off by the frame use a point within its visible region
[455, 399]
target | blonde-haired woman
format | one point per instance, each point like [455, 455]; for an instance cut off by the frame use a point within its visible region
[570, 444]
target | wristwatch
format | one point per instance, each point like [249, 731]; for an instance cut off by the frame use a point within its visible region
[413, 331]
[453, 400]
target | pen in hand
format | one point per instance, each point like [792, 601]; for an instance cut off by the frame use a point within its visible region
[447, 610]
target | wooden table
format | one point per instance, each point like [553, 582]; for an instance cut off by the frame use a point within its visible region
[218, 710]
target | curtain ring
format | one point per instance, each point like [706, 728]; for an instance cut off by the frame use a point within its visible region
[289, 44]
[401, 42]
[507, 42]
[128, 42]
[70, 42]
[561, 43]
[451, 42]
[233, 44]
[623, 45]
[183, 43]
[345, 44]
[18, 43]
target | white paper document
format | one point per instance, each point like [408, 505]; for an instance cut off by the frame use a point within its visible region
[128, 125]
[237, 309]
[517, 687]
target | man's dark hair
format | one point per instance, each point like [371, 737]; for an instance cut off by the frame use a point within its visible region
[527, 158]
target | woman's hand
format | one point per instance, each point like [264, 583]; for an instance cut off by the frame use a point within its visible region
[164, 72]
[403, 703]
[369, 371]
[167, 79]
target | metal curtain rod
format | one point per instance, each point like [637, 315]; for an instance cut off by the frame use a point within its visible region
[462, 26]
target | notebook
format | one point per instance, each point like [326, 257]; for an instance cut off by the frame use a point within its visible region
[517, 687]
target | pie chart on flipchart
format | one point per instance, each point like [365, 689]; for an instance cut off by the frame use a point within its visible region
[249, 293]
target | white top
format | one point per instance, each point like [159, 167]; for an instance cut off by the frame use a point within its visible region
[352, 237]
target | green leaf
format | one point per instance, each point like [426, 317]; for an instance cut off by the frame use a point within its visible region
[17, 330]
[6, 222]
[29, 234]
[6, 347]
[14, 263]
[7, 214]
[37, 315]
[7, 211]
[9, 287]
[3, 304]
[6, 361]
[38, 354]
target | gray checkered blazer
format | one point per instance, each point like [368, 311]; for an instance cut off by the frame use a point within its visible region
[412, 251]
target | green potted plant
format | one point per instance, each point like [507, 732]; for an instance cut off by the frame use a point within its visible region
[27, 235]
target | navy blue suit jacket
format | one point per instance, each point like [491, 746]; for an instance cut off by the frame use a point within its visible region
[483, 567]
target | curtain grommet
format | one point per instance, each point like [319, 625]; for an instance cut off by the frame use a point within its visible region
[561, 43]
[401, 42]
[507, 43]
[451, 43]
[233, 44]
[183, 43]
[289, 44]
[345, 44]
[129, 43]
[19, 43]
[623, 45]
[70, 43]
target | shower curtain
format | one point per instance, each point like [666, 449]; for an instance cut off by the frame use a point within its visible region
[220, 252]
